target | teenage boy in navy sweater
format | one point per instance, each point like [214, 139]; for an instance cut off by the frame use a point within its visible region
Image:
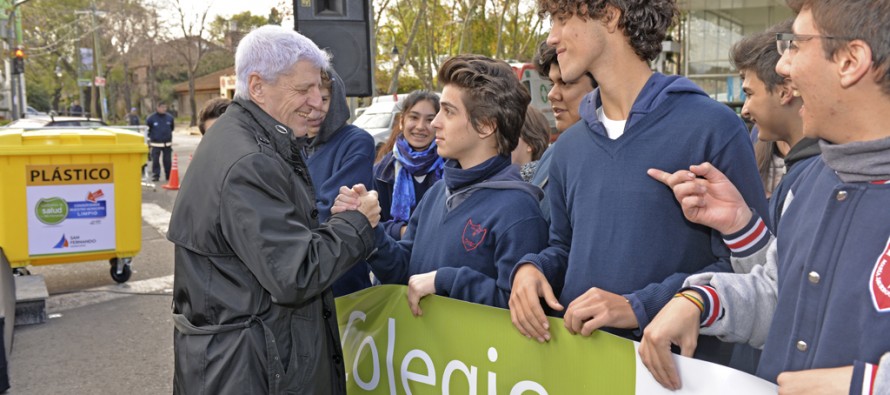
[619, 246]
[820, 305]
[337, 153]
[772, 105]
[471, 227]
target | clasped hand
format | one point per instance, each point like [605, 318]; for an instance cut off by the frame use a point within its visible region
[358, 198]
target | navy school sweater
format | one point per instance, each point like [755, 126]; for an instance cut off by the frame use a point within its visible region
[614, 227]
[471, 230]
[341, 154]
[346, 159]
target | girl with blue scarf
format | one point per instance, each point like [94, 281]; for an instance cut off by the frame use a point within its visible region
[412, 166]
[467, 234]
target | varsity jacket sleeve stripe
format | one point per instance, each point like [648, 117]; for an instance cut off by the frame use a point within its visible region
[750, 239]
[870, 379]
[712, 310]
[748, 300]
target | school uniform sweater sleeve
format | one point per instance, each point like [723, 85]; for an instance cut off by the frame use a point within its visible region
[553, 260]
[736, 161]
[390, 263]
[468, 284]
[741, 308]
[355, 166]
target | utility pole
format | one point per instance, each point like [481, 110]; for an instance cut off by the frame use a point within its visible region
[97, 64]
[12, 31]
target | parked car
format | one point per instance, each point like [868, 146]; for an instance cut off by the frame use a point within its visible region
[33, 112]
[378, 119]
[51, 121]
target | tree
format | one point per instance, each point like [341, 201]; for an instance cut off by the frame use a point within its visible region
[428, 31]
[241, 23]
[51, 34]
[192, 46]
[127, 23]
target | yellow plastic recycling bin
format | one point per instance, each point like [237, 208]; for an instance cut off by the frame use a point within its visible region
[71, 195]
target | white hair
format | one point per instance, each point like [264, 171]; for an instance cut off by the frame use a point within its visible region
[271, 51]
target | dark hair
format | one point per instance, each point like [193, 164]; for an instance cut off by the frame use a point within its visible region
[865, 20]
[214, 108]
[757, 52]
[644, 22]
[326, 81]
[535, 132]
[406, 105]
[491, 94]
[545, 58]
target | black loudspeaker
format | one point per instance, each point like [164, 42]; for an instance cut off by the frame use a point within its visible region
[341, 27]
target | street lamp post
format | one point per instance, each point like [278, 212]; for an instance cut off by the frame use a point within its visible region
[99, 104]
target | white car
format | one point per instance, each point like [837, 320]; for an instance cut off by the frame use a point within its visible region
[378, 119]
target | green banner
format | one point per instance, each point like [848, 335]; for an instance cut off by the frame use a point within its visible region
[464, 348]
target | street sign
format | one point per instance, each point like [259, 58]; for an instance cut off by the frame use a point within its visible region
[83, 82]
[100, 81]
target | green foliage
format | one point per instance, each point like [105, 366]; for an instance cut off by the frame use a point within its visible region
[502, 29]
[243, 23]
[215, 61]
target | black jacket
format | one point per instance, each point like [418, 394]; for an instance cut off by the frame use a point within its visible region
[252, 304]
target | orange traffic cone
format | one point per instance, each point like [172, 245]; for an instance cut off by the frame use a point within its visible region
[173, 183]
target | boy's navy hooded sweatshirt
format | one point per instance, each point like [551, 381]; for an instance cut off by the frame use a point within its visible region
[471, 228]
[613, 226]
[339, 155]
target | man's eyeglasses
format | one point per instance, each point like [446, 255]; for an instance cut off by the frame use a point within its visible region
[786, 41]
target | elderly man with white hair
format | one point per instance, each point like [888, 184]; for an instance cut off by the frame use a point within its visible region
[252, 305]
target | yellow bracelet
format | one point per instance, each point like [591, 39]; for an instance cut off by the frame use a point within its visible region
[696, 301]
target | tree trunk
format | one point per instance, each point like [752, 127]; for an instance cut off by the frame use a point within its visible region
[394, 84]
[128, 101]
[499, 47]
[151, 79]
[194, 110]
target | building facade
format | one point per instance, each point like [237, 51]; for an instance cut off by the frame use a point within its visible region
[707, 31]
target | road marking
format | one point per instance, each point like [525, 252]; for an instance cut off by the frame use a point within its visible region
[68, 301]
[156, 216]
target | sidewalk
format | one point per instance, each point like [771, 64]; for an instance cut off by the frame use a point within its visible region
[121, 346]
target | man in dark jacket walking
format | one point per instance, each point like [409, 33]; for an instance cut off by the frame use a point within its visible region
[252, 305]
[160, 138]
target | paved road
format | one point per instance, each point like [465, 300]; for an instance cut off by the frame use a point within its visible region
[104, 338]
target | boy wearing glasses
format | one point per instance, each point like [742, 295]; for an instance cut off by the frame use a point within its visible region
[619, 246]
[821, 304]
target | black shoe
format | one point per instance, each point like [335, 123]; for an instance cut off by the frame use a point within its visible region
[155, 178]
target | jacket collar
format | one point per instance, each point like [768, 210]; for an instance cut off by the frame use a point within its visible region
[279, 135]
[804, 148]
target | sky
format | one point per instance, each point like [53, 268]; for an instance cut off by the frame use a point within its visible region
[225, 8]
[230, 7]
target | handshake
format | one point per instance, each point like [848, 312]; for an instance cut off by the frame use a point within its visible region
[360, 199]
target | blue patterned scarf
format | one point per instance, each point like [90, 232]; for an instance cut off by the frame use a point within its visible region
[410, 163]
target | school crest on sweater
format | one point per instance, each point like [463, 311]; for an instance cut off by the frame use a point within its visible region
[880, 281]
[473, 236]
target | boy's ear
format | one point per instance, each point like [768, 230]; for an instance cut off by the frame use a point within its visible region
[611, 17]
[854, 62]
[786, 94]
[487, 129]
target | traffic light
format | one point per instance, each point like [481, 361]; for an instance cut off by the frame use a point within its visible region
[18, 61]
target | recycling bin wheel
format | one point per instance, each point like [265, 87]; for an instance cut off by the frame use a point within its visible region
[120, 270]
